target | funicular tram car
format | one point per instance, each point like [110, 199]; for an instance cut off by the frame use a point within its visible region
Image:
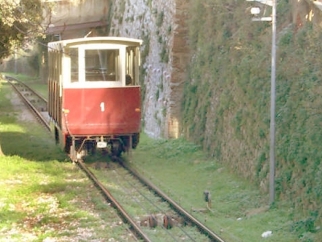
[94, 96]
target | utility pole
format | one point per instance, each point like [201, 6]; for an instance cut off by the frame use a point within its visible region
[255, 11]
[273, 104]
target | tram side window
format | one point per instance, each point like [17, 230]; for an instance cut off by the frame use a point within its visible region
[73, 53]
[102, 65]
[131, 66]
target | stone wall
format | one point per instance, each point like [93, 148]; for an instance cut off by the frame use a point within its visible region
[162, 26]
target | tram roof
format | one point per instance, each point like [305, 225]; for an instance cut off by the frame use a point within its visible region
[97, 40]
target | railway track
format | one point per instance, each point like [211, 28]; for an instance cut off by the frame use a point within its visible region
[157, 213]
[166, 220]
[186, 215]
[35, 102]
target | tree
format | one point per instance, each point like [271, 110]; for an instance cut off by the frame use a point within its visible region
[20, 23]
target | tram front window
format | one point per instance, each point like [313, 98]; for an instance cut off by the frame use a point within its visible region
[102, 65]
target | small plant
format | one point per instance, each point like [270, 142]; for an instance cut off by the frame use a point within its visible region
[157, 94]
[146, 47]
[160, 19]
[160, 40]
[164, 55]
[164, 111]
[307, 225]
[169, 29]
[120, 19]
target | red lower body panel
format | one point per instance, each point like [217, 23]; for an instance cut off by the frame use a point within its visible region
[101, 111]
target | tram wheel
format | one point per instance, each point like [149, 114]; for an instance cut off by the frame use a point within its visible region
[116, 148]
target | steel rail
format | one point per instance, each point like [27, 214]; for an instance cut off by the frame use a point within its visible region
[115, 203]
[29, 104]
[204, 229]
[135, 228]
[25, 85]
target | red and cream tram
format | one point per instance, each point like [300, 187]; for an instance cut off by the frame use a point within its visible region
[94, 96]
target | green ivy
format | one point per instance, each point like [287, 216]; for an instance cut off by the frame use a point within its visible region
[228, 89]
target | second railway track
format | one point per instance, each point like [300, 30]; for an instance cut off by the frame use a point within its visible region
[35, 102]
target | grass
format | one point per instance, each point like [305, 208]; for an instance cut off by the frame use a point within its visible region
[239, 211]
[35, 179]
[23, 140]
[226, 99]
[43, 196]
